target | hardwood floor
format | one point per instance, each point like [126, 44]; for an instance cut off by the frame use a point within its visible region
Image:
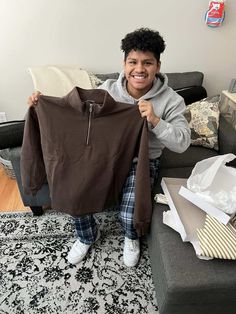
[10, 200]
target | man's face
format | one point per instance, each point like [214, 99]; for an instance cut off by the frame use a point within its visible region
[140, 69]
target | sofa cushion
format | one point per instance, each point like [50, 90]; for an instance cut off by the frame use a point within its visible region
[192, 94]
[185, 79]
[203, 119]
[188, 158]
[106, 76]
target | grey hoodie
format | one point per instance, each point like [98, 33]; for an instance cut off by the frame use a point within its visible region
[172, 131]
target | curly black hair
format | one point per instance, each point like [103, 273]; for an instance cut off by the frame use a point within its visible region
[143, 39]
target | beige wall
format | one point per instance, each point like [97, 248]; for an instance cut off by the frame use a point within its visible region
[88, 32]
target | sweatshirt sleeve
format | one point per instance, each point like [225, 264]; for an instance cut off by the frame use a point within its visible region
[173, 130]
[33, 173]
[143, 201]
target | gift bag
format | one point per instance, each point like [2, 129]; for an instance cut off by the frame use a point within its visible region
[212, 180]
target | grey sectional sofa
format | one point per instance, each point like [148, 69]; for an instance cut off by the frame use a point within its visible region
[184, 284]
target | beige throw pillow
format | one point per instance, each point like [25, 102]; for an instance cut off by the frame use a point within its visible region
[59, 80]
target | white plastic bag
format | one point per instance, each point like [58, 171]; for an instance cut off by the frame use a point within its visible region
[215, 182]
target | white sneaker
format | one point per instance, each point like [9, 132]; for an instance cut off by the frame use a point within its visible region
[79, 250]
[131, 252]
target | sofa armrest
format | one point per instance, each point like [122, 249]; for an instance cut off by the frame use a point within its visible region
[42, 197]
[11, 133]
[227, 139]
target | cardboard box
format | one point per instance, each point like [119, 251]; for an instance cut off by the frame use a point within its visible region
[205, 206]
[184, 217]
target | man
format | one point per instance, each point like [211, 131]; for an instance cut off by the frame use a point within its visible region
[142, 84]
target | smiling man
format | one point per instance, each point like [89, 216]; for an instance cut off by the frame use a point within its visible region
[142, 84]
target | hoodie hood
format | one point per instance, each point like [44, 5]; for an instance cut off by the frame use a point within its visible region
[172, 131]
[117, 88]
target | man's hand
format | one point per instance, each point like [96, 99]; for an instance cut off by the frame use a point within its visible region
[33, 99]
[146, 110]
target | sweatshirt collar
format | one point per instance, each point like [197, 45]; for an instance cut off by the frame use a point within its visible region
[80, 99]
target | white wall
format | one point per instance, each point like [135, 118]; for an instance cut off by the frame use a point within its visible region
[88, 33]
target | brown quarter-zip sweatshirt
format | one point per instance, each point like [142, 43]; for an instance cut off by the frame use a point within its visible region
[83, 144]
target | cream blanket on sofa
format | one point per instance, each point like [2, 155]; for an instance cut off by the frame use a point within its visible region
[57, 80]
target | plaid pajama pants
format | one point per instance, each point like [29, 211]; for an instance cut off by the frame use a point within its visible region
[86, 226]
